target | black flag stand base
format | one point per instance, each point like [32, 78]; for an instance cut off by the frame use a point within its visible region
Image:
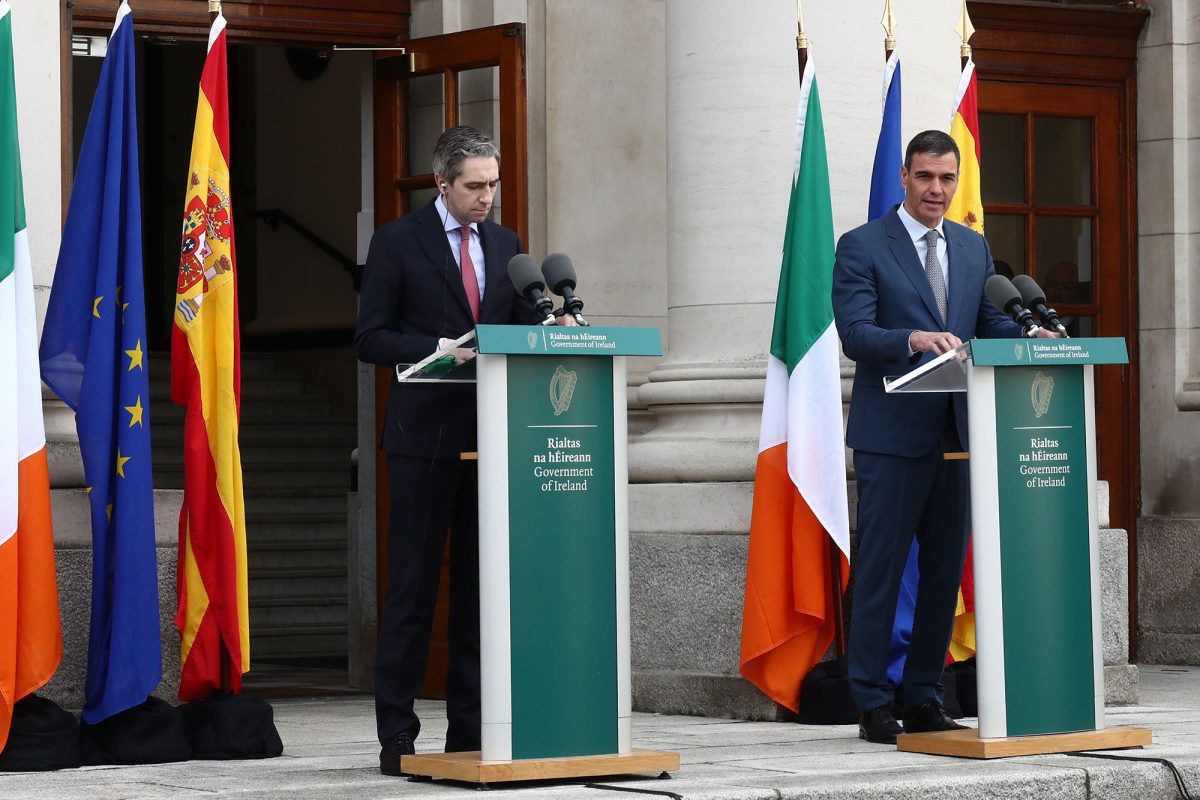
[226, 726]
[149, 733]
[43, 737]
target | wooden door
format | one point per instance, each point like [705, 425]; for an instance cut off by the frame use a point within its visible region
[440, 82]
[1056, 207]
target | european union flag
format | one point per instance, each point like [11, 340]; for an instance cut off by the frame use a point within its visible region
[93, 356]
[886, 189]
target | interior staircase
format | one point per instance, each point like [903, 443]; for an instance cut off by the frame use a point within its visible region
[296, 466]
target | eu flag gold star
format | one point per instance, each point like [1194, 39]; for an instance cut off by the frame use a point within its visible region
[96, 307]
[109, 510]
[135, 356]
[121, 462]
[135, 412]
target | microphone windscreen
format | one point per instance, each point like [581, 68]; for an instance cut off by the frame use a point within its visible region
[524, 274]
[559, 272]
[1031, 294]
[1001, 292]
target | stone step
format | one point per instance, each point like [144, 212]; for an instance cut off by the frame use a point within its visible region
[298, 641]
[287, 500]
[299, 476]
[299, 529]
[298, 612]
[265, 557]
[282, 457]
[298, 408]
[254, 387]
[253, 365]
[306, 581]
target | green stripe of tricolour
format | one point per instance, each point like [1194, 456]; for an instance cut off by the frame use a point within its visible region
[803, 309]
[12, 207]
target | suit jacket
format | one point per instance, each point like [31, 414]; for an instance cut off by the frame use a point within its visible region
[412, 295]
[880, 296]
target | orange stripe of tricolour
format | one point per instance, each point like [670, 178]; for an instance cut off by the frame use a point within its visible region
[30, 634]
[787, 626]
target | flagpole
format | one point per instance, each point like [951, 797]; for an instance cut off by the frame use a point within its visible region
[965, 31]
[889, 29]
[214, 10]
[801, 40]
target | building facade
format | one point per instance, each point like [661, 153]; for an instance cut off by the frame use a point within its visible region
[656, 147]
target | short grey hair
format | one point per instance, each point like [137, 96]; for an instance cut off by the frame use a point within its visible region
[458, 144]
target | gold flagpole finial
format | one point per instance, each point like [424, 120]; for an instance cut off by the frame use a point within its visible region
[889, 27]
[965, 31]
[801, 37]
[214, 6]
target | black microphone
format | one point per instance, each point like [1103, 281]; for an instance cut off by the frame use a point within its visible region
[1005, 297]
[560, 277]
[1035, 299]
[524, 275]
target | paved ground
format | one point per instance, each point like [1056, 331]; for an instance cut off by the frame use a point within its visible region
[330, 754]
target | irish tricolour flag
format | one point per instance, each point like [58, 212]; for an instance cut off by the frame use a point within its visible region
[30, 634]
[800, 482]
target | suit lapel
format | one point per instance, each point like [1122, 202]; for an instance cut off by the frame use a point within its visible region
[905, 253]
[493, 270]
[432, 236]
[957, 255]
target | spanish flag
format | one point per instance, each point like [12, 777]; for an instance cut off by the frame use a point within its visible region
[800, 505]
[213, 615]
[30, 632]
[967, 208]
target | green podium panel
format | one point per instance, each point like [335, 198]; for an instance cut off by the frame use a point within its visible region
[1035, 534]
[554, 540]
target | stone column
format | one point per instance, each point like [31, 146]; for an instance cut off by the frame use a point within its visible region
[730, 132]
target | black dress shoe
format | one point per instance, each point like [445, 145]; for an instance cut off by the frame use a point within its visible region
[879, 726]
[389, 757]
[462, 745]
[929, 717]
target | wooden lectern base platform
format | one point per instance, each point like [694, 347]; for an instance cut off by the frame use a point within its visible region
[967, 744]
[468, 767]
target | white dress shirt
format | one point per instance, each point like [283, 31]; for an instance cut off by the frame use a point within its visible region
[918, 231]
[452, 236]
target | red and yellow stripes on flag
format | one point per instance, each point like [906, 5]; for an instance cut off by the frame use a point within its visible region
[967, 205]
[213, 614]
[967, 208]
[30, 631]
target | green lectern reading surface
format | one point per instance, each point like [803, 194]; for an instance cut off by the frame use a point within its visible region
[1035, 544]
[554, 557]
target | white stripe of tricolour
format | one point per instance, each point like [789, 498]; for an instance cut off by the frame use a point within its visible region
[31, 430]
[4, 8]
[805, 87]
[963, 83]
[8, 404]
[217, 27]
[816, 452]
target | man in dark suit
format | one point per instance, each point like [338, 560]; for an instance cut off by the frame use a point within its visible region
[430, 277]
[908, 287]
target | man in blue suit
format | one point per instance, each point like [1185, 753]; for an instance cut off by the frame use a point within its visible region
[908, 287]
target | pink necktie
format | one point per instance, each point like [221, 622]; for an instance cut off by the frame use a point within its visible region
[467, 267]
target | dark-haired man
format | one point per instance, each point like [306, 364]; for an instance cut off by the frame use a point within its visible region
[431, 276]
[908, 287]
